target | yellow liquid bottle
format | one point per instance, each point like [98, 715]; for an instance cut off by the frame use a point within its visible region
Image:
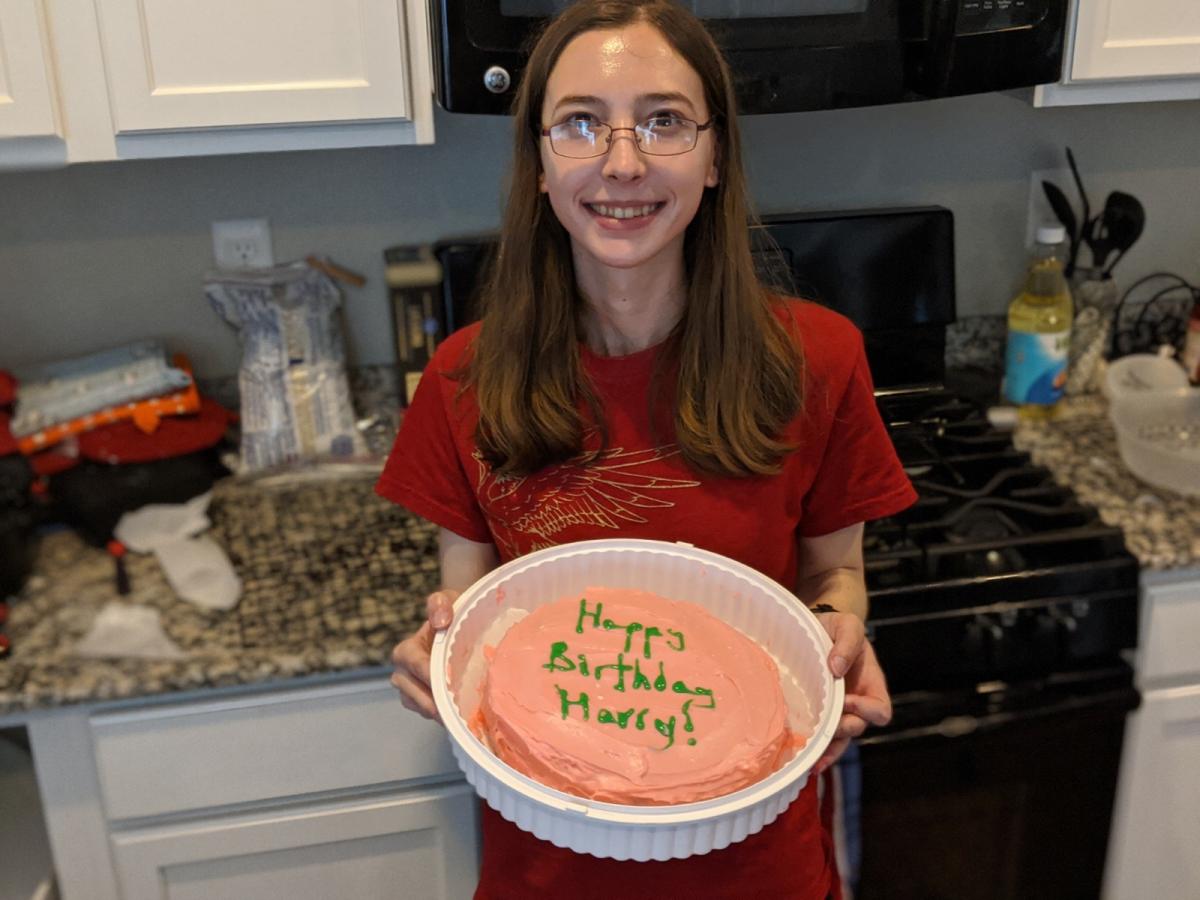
[1039, 331]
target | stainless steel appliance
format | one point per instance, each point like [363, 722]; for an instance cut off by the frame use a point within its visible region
[1000, 605]
[788, 55]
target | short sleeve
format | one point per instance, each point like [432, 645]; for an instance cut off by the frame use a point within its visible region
[859, 477]
[424, 471]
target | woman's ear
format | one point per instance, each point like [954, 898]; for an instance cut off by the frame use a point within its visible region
[713, 178]
[542, 181]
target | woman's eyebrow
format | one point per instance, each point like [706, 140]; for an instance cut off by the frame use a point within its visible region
[642, 100]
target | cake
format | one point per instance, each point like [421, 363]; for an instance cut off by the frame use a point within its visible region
[626, 697]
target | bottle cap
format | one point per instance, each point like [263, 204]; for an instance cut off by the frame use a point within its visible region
[1051, 234]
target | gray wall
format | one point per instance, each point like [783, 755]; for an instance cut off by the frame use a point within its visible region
[94, 255]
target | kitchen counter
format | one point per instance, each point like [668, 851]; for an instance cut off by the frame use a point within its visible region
[332, 577]
[1162, 529]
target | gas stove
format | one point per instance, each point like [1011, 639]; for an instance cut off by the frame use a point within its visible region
[996, 573]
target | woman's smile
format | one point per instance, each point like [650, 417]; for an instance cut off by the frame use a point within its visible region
[624, 216]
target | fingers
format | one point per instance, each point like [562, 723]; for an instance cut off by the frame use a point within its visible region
[831, 755]
[872, 710]
[848, 634]
[439, 607]
[414, 695]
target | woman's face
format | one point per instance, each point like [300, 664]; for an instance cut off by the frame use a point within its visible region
[626, 208]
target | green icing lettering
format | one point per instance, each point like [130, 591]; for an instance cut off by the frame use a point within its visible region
[620, 719]
[582, 703]
[649, 633]
[621, 666]
[687, 716]
[558, 658]
[640, 722]
[583, 666]
[584, 614]
[642, 683]
[678, 634]
[666, 729]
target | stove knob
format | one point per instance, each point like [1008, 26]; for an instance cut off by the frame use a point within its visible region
[988, 627]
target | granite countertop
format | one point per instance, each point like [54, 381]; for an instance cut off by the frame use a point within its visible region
[332, 577]
[1162, 529]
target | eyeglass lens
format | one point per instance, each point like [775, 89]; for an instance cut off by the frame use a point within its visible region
[658, 135]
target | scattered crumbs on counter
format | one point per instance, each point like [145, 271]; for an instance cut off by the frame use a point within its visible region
[1162, 529]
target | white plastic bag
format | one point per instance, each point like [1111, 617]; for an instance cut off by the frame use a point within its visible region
[295, 397]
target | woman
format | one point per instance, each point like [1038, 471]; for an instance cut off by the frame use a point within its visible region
[632, 378]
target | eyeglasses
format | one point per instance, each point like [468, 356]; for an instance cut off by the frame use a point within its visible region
[662, 134]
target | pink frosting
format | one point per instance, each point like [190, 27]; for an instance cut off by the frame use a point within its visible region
[742, 738]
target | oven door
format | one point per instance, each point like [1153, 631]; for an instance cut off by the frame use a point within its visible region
[1009, 802]
[786, 55]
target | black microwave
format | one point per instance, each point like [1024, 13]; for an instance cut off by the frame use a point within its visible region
[789, 55]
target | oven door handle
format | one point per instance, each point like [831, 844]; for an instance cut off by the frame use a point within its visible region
[954, 727]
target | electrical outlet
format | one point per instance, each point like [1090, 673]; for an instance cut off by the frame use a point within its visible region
[242, 244]
[1038, 210]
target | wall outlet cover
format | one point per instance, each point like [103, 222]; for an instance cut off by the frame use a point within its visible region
[242, 244]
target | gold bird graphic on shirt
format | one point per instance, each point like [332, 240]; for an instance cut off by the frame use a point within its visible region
[608, 492]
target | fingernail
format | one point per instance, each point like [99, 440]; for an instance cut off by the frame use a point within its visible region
[440, 618]
[839, 666]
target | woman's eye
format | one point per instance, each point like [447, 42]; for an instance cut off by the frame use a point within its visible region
[580, 118]
[663, 120]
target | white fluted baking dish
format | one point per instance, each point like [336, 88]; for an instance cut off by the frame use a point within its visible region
[735, 593]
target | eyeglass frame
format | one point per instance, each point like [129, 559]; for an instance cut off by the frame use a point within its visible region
[612, 132]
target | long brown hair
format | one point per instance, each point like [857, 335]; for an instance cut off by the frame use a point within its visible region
[738, 369]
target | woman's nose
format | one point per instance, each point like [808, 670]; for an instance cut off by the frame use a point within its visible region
[624, 160]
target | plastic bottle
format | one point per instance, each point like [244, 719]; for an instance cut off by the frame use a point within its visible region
[1039, 330]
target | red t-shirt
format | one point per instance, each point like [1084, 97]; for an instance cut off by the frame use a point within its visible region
[844, 471]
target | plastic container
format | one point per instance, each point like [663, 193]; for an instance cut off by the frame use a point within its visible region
[1158, 433]
[735, 593]
[1142, 372]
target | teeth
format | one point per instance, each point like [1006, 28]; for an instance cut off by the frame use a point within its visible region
[618, 212]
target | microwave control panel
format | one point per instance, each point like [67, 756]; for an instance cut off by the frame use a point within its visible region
[982, 16]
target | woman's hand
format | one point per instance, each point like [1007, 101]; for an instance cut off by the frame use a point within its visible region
[410, 657]
[867, 699]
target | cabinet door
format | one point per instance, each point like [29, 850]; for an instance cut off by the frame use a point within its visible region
[1156, 829]
[26, 82]
[417, 844]
[197, 64]
[1136, 39]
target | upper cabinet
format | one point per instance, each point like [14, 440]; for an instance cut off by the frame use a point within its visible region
[27, 107]
[124, 79]
[1129, 50]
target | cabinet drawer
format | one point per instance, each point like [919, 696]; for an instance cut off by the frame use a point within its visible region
[419, 844]
[1170, 648]
[271, 745]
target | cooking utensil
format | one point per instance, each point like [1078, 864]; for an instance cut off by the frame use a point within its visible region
[1124, 226]
[1086, 228]
[1062, 208]
[1118, 225]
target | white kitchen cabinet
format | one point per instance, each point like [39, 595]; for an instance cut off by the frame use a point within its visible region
[27, 102]
[1129, 50]
[418, 844]
[1156, 823]
[327, 790]
[153, 78]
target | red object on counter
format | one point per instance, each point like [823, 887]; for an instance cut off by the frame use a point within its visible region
[8, 388]
[4, 645]
[1191, 346]
[124, 442]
